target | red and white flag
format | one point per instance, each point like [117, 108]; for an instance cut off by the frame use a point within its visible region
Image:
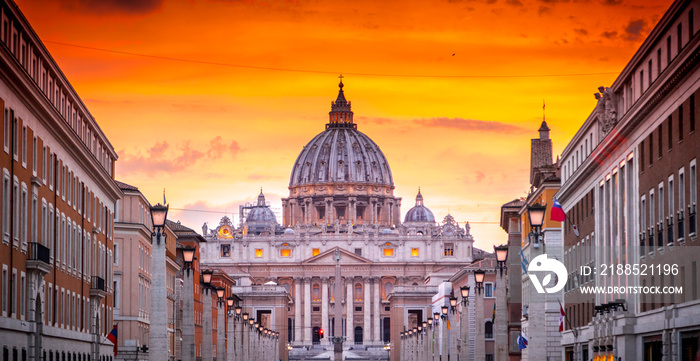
[561, 318]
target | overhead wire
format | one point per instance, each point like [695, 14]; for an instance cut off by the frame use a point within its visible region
[315, 71]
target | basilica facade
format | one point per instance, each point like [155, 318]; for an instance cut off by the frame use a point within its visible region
[341, 201]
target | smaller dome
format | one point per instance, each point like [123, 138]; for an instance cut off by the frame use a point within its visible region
[419, 212]
[288, 231]
[260, 214]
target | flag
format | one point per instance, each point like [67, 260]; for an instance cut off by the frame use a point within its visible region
[557, 213]
[561, 318]
[112, 337]
[493, 318]
[448, 324]
[522, 341]
[575, 228]
[523, 261]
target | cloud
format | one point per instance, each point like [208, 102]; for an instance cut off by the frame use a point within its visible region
[612, 2]
[543, 10]
[105, 7]
[480, 176]
[516, 3]
[609, 34]
[635, 29]
[375, 120]
[581, 31]
[162, 158]
[469, 124]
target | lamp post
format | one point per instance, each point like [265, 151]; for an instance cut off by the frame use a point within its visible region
[500, 328]
[445, 333]
[464, 321]
[426, 342]
[244, 338]
[220, 324]
[479, 346]
[436, 347]
[535, 214]
[158, 336]
[188, 343]
[207, 337]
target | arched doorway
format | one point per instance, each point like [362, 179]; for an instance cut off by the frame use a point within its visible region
[358, 335]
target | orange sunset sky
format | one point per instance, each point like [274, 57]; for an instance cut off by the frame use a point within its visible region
[450, 90]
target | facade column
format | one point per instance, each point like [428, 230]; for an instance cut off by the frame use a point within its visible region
[239, 343]
[207, 340]
[159, 341]
[377, 316]
[444, 336]
[324, 309]
[297, 310]
[307, 311]
[479, 346]
[349, 313]
[464, 331]
[436, 341]
[221, 332]
[188, 350]
[366, 340]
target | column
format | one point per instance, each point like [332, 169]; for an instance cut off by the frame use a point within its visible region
[188, 316]
[297, 310]
[436, 341]
[324, 310]
[245, 350]
[221, 332]
[376, 314]
[231, 339]
[444, 351]
[500, 324]
[368, 315]
[464, 331]
[207, 341]
[307, 311]
[349, 313]
[159, 341]
[479, 347]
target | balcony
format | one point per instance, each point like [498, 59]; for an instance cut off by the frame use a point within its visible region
[39, 258]
[97, 287]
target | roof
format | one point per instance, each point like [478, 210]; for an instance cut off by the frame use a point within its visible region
[181, 230]
[125, 187]
[514, 203]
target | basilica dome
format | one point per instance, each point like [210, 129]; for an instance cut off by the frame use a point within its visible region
[341, 153]
[419, 212]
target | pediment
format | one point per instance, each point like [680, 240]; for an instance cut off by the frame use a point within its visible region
[329, 257]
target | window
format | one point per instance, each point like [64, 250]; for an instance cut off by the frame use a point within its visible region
[388, 252]
[285, 253]
[14, 292]
[24, 202]
[316, 292]
[116, 253]
[4, 290]
[24, 147]
[670, 132]
[680, 123]
[693, 198]
[488, 329]
[488, 289]
[649, 70]
[679, 36]
[358, 251]
[658, 62]
[414, 252]
[691, 116]
[641, 154]
[641, 81]
[225, 250]
[258, 252]
[315, 252]
[660, 136]
[358, 292]
[6, 207]
[651, 148]
[7, 121]
[449, 250]
[34, 156]
[671, 207]
[668, 50]
[691, 23]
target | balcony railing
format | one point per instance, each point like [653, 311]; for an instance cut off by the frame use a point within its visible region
[39, 258]
[39, 252]
[97, 283]
[681, 227]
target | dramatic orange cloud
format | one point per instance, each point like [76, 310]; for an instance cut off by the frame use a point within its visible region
[187, 90]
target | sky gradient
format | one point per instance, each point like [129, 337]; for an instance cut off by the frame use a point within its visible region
[212, 100]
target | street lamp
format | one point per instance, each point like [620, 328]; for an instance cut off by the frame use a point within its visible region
[501, 257]
[479, 279]
[220, 293]
[238, 309]
[245, 317]
[188, 257]
[425, 325]
[159, 213]
[453, 303]
[430, 322]
[444, 311]
[436, 317]
[535, 214]
[465, 295]
[206, 278]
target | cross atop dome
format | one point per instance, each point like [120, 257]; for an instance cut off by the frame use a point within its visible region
[341, 114]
